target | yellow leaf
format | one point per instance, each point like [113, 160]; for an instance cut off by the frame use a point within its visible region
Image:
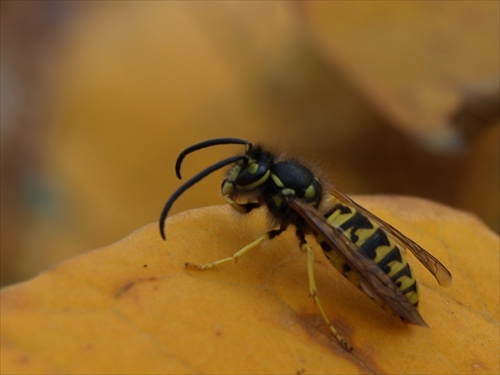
[132, 307]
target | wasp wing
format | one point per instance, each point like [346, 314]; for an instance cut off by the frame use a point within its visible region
[379, 285]
[440, 272]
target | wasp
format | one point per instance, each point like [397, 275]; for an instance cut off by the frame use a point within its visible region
[365, 249]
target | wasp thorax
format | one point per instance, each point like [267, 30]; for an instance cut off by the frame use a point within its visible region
[291, 176]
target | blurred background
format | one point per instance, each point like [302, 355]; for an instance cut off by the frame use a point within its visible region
[98, 99]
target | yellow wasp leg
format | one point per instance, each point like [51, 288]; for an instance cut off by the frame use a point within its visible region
[266, 236]
[313, 292]
[242, 208]
[310, 271]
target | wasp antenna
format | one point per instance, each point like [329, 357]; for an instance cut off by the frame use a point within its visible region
[190, 183]
[205, 144]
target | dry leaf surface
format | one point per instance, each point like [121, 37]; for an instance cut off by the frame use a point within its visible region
[132, 308]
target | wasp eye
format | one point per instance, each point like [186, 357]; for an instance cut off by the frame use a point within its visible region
[252, 173]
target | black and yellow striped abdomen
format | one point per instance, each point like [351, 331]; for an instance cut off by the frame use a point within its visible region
[372, 242]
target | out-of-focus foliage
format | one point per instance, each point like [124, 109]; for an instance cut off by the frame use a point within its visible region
[98, 98]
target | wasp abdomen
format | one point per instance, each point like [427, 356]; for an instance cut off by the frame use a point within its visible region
[373, 243]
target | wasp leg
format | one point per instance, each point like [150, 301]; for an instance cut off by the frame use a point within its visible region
[243, 208]
[313, 291]
[266, 236]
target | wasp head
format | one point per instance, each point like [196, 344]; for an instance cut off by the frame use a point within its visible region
[246, 172]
